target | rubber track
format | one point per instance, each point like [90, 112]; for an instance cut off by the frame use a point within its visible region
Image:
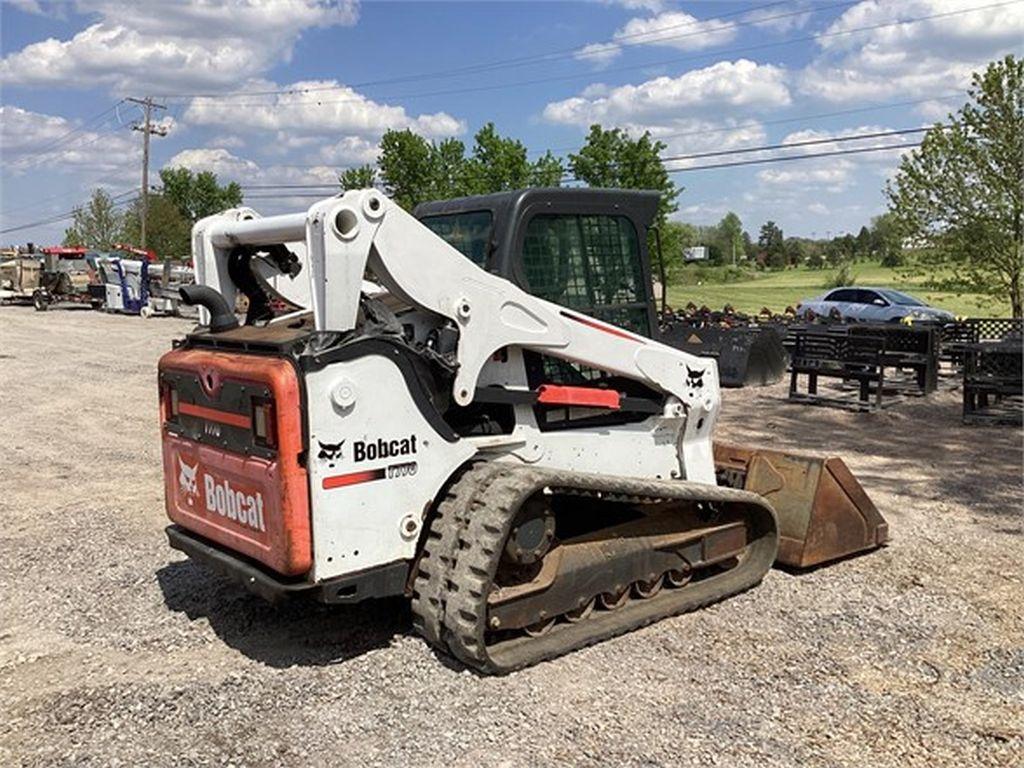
[490, 515]
[440, 548]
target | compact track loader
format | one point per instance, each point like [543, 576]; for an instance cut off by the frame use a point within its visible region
[535, 477]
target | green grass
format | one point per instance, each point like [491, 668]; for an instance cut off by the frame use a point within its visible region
[777, 290]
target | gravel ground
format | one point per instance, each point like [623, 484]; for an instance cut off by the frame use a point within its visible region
[116, 651]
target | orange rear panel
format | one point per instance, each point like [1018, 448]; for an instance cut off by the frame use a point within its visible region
[255, 505]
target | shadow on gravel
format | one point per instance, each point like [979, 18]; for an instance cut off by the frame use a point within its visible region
[928, 452]
[297, 632]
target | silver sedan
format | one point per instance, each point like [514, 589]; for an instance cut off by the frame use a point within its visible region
[873, 305]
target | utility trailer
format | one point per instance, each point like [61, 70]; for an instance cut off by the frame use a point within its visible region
[19, 279]
[69, 279]
[534, 477]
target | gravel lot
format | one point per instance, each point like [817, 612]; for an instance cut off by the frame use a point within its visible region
[116, 651]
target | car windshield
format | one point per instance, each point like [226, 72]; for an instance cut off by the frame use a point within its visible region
[904, 299]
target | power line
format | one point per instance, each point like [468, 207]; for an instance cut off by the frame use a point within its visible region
[56, 141]
[810, 156]
[537, 81]
[731, 164]
[68, 214]
[674, 158]
[544, 57]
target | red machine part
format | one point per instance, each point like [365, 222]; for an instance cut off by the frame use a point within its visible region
[254, 505]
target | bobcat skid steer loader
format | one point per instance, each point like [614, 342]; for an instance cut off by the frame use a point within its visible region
[416, 432]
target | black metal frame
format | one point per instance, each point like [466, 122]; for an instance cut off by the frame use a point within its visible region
[993, 383]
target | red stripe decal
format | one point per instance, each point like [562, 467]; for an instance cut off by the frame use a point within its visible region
[353, 478]
[212, 414]
[552, 394]
[609, 329]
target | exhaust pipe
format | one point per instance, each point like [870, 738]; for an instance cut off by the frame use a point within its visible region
[221, 316]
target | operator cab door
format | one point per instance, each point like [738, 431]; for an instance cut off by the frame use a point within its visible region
[591, 262]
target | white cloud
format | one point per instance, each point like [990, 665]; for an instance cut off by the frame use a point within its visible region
[931, 57]
[672, 29]
[833, 176]
[599, 54]
[836, 173]
[676, 29]
[33, 141]
[220, 161]
[718, 88]
[227, 141]
[230, 167]
[654, 6]
[775, 19]
[186, 44]
[315, 108]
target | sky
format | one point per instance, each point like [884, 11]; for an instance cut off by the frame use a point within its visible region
[287, 92]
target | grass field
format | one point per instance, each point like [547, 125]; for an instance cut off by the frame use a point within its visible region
[777, 290]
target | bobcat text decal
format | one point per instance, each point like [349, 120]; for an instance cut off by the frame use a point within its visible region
[221, 498]
[383, 449]
[373, 450]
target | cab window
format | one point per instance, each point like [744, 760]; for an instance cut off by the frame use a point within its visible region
[590, 263]
[469, 233]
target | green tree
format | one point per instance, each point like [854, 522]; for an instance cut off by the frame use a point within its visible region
[675, 237]
[961, 194]
[197, 195]
[497, 163]
[168, 233]
[887, 240]
[406, 167]
[610, 158]
[448, 170]
[359, 177]
[771, 243]
[796, 251]
[730, 230]
[863, 243]
[547, 171]
[98, 224]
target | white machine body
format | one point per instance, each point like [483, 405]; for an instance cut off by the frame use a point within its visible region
[377, 460]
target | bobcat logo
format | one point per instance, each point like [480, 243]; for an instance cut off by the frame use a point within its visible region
[694, 379]
[187, 479]
[330, 452]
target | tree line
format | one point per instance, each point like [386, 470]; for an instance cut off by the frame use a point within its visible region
[956, 201]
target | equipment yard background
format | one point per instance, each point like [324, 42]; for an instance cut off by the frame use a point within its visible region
[115, 650]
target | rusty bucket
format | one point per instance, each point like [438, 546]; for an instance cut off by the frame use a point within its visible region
[824, 513]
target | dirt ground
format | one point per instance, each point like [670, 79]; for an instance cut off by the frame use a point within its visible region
[114, 650]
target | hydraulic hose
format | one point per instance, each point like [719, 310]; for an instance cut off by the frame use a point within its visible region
[221, 316]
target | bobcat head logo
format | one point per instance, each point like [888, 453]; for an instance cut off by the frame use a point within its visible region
[330, 452]
[694, 379]
[187, 478]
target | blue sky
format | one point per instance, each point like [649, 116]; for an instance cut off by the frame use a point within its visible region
[290, 91]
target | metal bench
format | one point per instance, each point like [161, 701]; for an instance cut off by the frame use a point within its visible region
[993, 383]
[835, 352]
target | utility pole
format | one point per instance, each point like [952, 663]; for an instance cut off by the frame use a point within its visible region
[147, 128]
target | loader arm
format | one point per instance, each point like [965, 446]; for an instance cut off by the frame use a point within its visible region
[363, 229]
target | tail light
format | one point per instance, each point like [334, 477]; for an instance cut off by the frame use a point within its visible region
[169, 401]
[264, 423]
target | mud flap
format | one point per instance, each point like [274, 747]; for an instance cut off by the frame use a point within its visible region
[824, 513]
